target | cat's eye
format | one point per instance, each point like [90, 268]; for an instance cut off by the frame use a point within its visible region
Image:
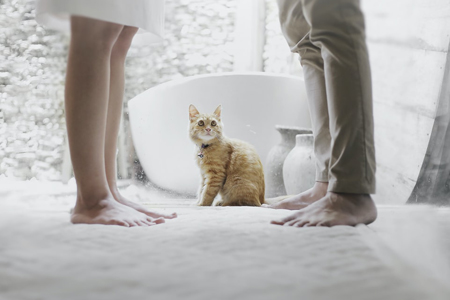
[213, 123]
[201, 123]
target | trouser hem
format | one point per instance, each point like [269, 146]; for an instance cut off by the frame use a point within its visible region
[351, 187]
[322, 176]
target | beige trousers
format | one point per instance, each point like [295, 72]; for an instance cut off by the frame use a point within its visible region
[329, 36]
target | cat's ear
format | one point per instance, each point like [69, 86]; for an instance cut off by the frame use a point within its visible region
[218, 111]
[193, 112]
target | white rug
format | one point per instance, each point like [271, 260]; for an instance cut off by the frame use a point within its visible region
[206, 253]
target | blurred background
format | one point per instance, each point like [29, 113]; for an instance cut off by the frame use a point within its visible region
[408, 46]
[201, 37]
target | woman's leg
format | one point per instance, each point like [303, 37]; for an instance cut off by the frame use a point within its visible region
[115, 104]
[86, 100]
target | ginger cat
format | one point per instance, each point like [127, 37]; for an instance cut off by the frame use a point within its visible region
[228, 166]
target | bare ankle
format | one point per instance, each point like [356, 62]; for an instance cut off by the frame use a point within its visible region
[321, 184]
[351, 195]
[320, 188]
[91, 200]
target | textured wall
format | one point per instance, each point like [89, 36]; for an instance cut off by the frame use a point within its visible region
[408, 44]
[31, 92]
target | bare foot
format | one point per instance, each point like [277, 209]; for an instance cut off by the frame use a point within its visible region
[334, 209]
[318, 191]
[140, 208]
[109, 212]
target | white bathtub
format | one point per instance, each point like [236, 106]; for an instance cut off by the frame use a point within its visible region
[252, 104]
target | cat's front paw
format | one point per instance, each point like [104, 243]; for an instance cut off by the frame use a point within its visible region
[204, 203]
[200, 202]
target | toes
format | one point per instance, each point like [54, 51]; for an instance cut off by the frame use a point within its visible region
[159, 221]
[120, 223]
[142, 223]
[171, 216]
[158, 215]
[147, 223]
[154, 221]
[132, 223]
[314, 222]
[145, 211]
[303, 223]
[281, 222]
[323, 224]
[277, 222]
[291, 223]
[287, 219]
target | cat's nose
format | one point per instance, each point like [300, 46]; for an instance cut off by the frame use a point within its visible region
[208, 129]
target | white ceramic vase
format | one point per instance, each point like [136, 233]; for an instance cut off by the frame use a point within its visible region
[275, 159]
[299, 168]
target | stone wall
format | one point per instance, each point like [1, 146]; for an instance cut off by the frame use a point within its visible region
[32, 127]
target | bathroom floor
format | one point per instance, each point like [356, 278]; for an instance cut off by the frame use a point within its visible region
[214, 253]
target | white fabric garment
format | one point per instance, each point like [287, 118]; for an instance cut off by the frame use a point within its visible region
[148, 15]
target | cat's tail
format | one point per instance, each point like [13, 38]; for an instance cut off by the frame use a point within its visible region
[275, 200]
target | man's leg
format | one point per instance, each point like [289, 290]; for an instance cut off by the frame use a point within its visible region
[337, 28]
[115, 103]
[86, 100]
[297, 32]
